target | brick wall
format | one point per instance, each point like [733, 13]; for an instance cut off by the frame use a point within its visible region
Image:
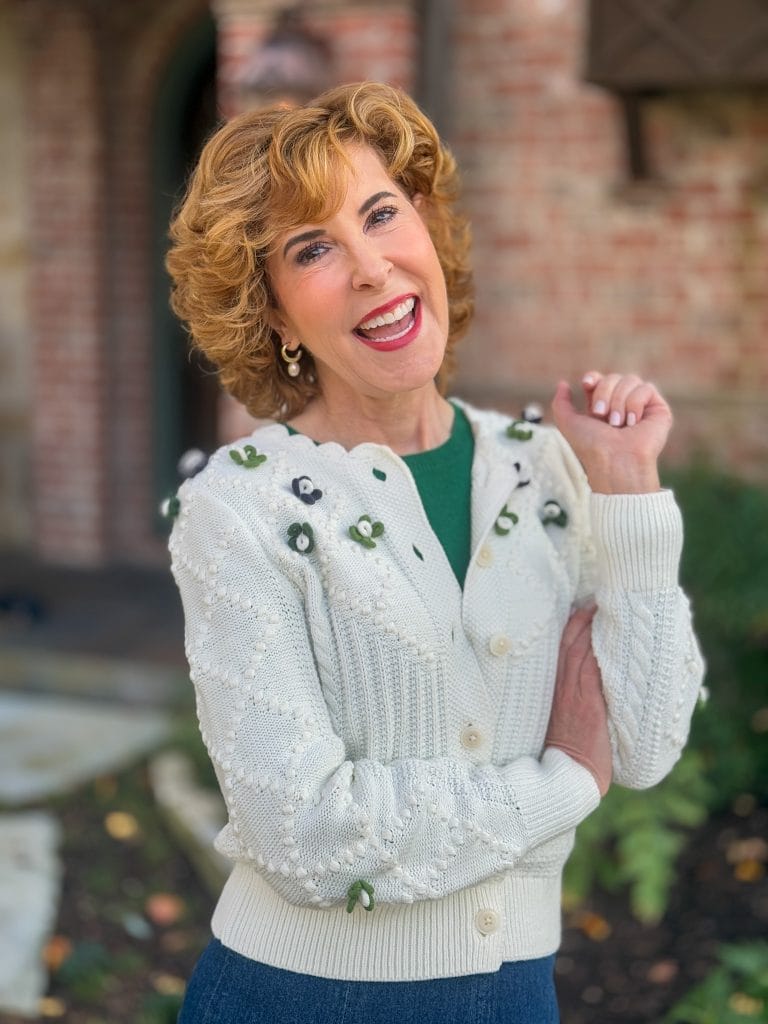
[575, 267]
[15, 355]
[66, 214]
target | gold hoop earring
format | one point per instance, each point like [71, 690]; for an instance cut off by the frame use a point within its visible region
[292, 360]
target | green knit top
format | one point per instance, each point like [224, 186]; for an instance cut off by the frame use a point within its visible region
[443, 477]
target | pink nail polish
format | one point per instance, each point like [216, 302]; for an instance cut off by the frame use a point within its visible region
[599, 408]
[631, 419]
[615, 419]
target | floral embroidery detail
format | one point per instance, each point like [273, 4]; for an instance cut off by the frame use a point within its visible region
[519, 431]
[505, 521]
[247, 456]
[553, 514]
[191, 462]
[360, 892]
[301, 538]
[170, 507]
[305, 490]
[365, 531]
[533, 413]
[523, 474]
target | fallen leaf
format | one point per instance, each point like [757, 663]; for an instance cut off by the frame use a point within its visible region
[163, 908]
[749, 871]
[121, 825]
[594, 926]
[168, 984]
[55, 951]
[49, 1006]
[745, 1005]
[663, 971]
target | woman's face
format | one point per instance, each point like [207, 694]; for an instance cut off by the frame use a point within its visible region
[364, 291]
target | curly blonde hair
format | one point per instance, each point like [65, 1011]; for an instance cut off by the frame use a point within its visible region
[264, 173]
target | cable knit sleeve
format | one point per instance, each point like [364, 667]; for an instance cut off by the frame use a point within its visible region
[310, 819]
[642, 633]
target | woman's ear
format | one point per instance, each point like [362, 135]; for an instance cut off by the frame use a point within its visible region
[275, 320]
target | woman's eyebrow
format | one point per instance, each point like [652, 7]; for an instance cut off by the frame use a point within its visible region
[306, 236]
[373, 200]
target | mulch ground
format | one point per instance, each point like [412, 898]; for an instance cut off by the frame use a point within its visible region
[134, 918]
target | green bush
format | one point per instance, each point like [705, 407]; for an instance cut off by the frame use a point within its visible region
[734, 992]
[725, 570]
[633, 840]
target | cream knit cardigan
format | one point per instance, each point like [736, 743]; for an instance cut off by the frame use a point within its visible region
[369, 721]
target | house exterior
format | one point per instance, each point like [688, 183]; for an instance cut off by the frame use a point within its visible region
[585, 256]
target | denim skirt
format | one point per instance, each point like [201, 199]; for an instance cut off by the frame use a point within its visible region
[227, 988]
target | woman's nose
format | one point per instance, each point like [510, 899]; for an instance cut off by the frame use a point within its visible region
[370, 267]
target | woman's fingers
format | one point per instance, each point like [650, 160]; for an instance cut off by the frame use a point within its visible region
[620, 399]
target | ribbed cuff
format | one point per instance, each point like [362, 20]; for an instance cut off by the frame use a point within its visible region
[565, 794]
[638, 538]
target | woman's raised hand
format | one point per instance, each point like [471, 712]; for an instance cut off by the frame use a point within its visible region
[620, 435]
[578, 722]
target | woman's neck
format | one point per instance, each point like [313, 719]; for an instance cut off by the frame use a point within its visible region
[408, 423]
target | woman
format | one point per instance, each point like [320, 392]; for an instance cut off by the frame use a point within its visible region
[406, 724]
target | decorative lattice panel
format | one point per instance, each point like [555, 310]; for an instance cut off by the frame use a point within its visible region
[637, 45]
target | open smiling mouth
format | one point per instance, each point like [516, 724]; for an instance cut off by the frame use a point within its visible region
[391, 326]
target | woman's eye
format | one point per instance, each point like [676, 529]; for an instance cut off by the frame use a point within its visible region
[381, 215]
[310, 253]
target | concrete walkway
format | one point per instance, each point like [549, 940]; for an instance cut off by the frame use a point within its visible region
[48, 746]
[89, 664]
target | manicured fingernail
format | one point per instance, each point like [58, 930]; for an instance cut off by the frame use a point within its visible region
[631, 419]
[615, 419]
[599, 408]
[588, 379]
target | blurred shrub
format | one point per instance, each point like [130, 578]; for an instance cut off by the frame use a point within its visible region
[725, 570]
[633, 839]
[734, 992]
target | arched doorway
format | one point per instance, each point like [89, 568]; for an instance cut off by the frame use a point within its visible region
[185, 388]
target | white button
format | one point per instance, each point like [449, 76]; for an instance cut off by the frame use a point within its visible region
[470, 737]
[499, 644]
[485, 556]
[487, 922]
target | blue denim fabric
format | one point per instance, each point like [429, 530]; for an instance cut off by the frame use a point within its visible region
[227, 988]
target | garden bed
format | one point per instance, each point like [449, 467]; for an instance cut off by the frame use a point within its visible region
[134, 917]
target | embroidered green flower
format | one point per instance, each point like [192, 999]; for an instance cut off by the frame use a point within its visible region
[360, 892]
[170, 507]
[301, 538]
[533, 413]
[247, 456]
[365, 531]
[519, 430]
[553, 514]
[505, 521]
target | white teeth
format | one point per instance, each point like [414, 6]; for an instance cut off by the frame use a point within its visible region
[389, 318]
